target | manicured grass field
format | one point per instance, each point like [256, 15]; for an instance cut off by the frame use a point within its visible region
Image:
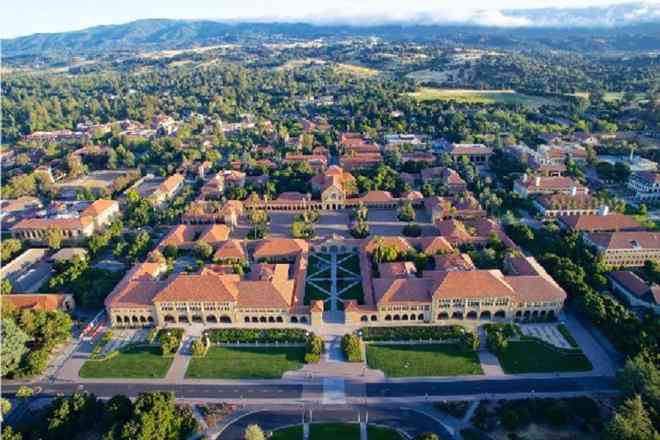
[354, 292]
[135, 362]
[246, 363]
[422, 360]
[315, 266]
[534, 357]
[335, 431]
[479, 96]
[312, 292]
[351, 263]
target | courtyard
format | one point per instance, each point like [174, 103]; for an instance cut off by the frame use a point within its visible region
[334, 278]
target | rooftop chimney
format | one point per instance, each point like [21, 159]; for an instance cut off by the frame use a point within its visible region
[573, 191]
[537, 181]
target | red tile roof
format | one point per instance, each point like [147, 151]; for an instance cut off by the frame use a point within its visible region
[595, 222]
[34, 301]
[625, 240]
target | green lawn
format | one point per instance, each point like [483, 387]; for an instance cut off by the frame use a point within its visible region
[354, 292]
[335, 431]
[352, 263]
[422, 360]
[534, 357]
[314, 264]
[312, 292]
[134, 362]
[478, 96]
[246, 363]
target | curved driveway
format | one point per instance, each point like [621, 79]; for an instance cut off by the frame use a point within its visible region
[411, 422]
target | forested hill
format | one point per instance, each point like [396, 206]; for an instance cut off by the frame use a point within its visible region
[159, 34]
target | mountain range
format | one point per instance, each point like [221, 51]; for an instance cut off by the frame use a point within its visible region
[630, 26]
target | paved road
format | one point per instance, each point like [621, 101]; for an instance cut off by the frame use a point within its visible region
[397, 417]
[353, 390]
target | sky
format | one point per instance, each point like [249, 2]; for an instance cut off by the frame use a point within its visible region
[25, 17]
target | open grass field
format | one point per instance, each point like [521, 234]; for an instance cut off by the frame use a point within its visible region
[534, 357]
[298, 63]
[137, 362]
[422, 360]
[246, 363]
[479, 96]
[335, 431]
[356, 70]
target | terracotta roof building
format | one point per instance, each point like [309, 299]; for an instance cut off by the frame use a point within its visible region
[600, 223]
[74, 227]
[625, 248]
[635, 291]
[528, 186]
[39, 301]
[554, 205]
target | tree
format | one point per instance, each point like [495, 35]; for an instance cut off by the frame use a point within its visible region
[315, 345]
[75, 166]
[170, 251]
[407, 212]
[361, 229]
[8, 433]
[5, 406]
[6, 287]
[117, 410]
[642, 376]
[427, 436]
[10, 247]
[254, 432]
[203, 250]
[258, 219]
[54, 238]
[301, 229]
[155, 416]
[352, 348]
[169, 343]
[13, 346]
[631, 421]
[24, 392]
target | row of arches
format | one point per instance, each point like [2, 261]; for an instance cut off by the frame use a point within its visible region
[405, 317]
[212, 319]
[527, 314]
[473, 314]
[134, 320]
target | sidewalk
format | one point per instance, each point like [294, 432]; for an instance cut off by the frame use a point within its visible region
[182, 357]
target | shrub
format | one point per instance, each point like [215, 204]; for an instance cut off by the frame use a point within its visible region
[170, 340]
[412, 230]
[408, 333]
[312, 358]
[151, 336]
[248, 335]
[352, 347]
[199, 348]
[455, 409]
[510, 420]
[557, 413]
[315, 345]
[36, 362]
[567, 335]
